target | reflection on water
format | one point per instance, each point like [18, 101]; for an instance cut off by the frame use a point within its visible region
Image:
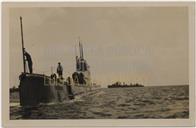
[114, 103]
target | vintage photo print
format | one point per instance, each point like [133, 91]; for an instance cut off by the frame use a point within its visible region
[98, 64]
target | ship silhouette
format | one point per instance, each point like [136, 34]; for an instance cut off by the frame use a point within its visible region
[123, 85]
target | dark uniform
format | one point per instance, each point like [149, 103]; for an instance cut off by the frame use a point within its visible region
[60, 70]
[29, 60]
[77, 63]
[81, 79]
[75, 77]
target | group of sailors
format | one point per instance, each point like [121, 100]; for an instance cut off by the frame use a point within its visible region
[77, 77]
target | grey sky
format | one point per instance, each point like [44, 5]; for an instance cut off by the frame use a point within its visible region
[148, 45]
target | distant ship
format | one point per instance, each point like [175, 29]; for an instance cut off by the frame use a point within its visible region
[39, 88]
[119, 85]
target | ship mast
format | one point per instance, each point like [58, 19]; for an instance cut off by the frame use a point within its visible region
[22, 45]
[81, 50]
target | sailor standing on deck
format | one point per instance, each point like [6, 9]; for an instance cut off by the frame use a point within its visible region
[60, 70]
[29, 60]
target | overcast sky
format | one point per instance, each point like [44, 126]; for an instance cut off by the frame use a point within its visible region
[148, 45]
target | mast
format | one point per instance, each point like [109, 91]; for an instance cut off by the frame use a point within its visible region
[81, 50]
[76, 57]
[22, 45]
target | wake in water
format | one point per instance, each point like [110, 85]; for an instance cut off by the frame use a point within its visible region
[114, 103]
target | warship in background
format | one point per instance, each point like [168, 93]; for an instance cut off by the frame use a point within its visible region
[123, 85]
[40, 88]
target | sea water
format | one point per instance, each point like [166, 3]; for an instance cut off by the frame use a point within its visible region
[115, 103]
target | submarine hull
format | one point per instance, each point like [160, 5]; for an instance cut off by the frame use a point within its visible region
[35, 89]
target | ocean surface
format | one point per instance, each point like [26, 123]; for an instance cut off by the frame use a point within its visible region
[115, 103]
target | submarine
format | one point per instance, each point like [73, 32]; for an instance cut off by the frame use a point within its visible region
[35, 88]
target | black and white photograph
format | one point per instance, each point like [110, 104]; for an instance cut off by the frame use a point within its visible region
[104, 62]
